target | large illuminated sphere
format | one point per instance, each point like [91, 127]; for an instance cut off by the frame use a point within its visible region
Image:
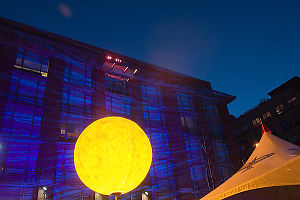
[112, 155]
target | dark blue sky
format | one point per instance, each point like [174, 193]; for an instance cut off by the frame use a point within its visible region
[244, 48]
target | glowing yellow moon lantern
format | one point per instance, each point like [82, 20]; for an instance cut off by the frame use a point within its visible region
[112, 155]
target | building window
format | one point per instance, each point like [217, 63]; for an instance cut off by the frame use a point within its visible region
[154, 117]
[18, 162]
[296, 117]
[24, 105]
[150, 93]
[273, 130]
[189, 123]
[32, 62]
[244, 127]
[292, 101]
[76, 100]
[65, 174]
[266, 115]
[279, 109]
[71, 128]
[119, 106]
[256, 121]
[197, 172]
[77, 74]
[184, 101]
[116, 83]
[161, 168]
[286, 124]
[211, 110]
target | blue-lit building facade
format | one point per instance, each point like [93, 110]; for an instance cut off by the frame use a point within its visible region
[52, 87]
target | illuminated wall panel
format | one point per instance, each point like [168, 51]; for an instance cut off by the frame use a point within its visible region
[51, 88]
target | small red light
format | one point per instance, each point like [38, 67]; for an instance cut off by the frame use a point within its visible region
[108, 57]
[120, 60]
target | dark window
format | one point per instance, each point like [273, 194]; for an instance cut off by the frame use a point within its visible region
[154, 117]
[117, 84]
[76, 100]
[211, 110]
[184, 101]
[64, 175]
[189, 123]
[24, 106]
[77, 74]
[18, 161]
[244, 128]
[150, 93]
[197, 172]
[119, 106]
[286, 124]
[273, 130]
[296, 117]
[161, 168]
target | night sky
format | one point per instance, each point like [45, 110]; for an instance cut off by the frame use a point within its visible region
[244, 48]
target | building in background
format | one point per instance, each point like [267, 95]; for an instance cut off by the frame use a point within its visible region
[52, 87]
[281, 114]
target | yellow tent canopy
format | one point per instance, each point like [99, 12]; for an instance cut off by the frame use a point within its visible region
[274, 163]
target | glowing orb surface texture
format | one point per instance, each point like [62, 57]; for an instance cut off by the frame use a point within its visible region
[112, 154]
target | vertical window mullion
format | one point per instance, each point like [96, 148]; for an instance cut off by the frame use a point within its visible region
[26, 167]
[14, 108]
[34, 107]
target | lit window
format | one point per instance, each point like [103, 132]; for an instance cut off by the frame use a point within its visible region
[292, 101]
[279, 109]
[266, 115]
[71, 128]
[32, 62]
[256, 121]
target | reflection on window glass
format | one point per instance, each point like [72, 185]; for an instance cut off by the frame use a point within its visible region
[150, 93]
[76, 100]
[78, 74]
[24, 106]
[117, 84]
[119, 106]
[18, 161]
[154, 117]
